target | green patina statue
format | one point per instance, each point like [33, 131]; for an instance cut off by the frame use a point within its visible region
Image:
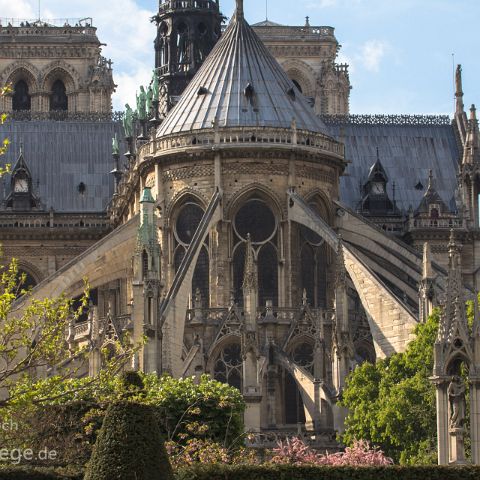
[149, 100]
[155, 87]
[142, 104]
[128, 121]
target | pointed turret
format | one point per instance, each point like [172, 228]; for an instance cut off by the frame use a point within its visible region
[459, 91]
[240, 85]
[471, 151]
[426, 292]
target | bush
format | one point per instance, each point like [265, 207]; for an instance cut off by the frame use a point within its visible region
[32, 474]
[129, 446]
[185, 410]
[289, 472]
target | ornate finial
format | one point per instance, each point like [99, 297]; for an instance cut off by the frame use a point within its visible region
[307, 21]
[198, 298]
[430, 179]
[304, 298]
[115, 147]
[459, 90]
[473, 113]
[378, 154]
[249, 276]
[21, 148]
[453, 251]
[427, 261]
[239, 10]
[340, 271]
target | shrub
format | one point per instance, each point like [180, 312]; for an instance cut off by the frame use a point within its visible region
[129, 446]
[294, 451]
[185, 410]
[33, 474]
[292, 472]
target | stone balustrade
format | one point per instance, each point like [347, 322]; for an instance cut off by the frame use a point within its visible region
[430, 223]
[54, 220]
[244, 136]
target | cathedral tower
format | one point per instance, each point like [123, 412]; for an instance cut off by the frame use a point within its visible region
[187, 31]
[54, 68]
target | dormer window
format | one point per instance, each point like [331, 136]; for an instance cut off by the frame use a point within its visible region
[378, 188]
[434, 211]
[21, 184]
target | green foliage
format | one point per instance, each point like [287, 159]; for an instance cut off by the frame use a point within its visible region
[129, 446]
[292, 472]
[34, 474]
[392, 403]
[67, 414]
[5, 142]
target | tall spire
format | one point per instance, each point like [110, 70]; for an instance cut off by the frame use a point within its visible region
[239, 10]
[459, 90]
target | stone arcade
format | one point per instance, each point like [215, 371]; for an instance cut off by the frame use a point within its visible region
[235, 241]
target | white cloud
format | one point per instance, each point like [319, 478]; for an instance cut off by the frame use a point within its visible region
[371, 54]
[16, 9]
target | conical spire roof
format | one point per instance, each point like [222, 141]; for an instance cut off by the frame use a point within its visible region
[240, 85]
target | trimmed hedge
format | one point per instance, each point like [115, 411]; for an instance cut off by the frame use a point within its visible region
[33, 474]
[291, 472]
[129, 446]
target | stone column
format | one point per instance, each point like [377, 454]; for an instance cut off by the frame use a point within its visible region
[475, 418]
[251, 384]
[442, 420]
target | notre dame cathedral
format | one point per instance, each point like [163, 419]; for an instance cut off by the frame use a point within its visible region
[245, 222]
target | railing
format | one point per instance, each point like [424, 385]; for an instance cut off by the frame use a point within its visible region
[52, 220]
[280, 31]
[282, 314]
[82, 330]
[187, 4]
[12, 26]
[409, 120]
[60, 116]
[444, 223]
[270, 136]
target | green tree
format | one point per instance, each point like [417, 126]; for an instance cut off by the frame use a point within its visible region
[5, 142]
[392, 403]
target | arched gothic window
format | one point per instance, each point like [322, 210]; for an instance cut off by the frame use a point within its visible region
[183, 47]
[228, 366]
[21, 97]
[58, 97]
[313, 264]
[255, 218]
[186, 224]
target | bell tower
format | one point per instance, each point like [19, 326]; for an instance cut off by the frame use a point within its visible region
[187, 31]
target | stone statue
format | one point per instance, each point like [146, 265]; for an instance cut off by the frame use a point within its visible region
[458, 77]
[456, 396]
[155, 87]
[142, 104]
[128, 121]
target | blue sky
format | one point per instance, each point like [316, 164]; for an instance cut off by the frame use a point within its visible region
[400, 51]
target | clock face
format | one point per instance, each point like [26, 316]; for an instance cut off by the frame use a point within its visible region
[21, 185]
[378, 188]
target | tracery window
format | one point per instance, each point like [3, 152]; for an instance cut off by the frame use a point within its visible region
[228, 366]
[255, 218]
[186, 224]
[313, 264]
[21, 97]
[303, 356]
[58, 97]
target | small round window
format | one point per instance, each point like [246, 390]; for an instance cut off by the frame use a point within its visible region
[187, 222]
[256, 219]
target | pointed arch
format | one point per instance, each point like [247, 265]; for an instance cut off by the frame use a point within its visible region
[21, 70]
[60, 70]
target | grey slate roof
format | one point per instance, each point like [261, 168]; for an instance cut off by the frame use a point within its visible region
[408, 152]
[240, 59]
[60, 155]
